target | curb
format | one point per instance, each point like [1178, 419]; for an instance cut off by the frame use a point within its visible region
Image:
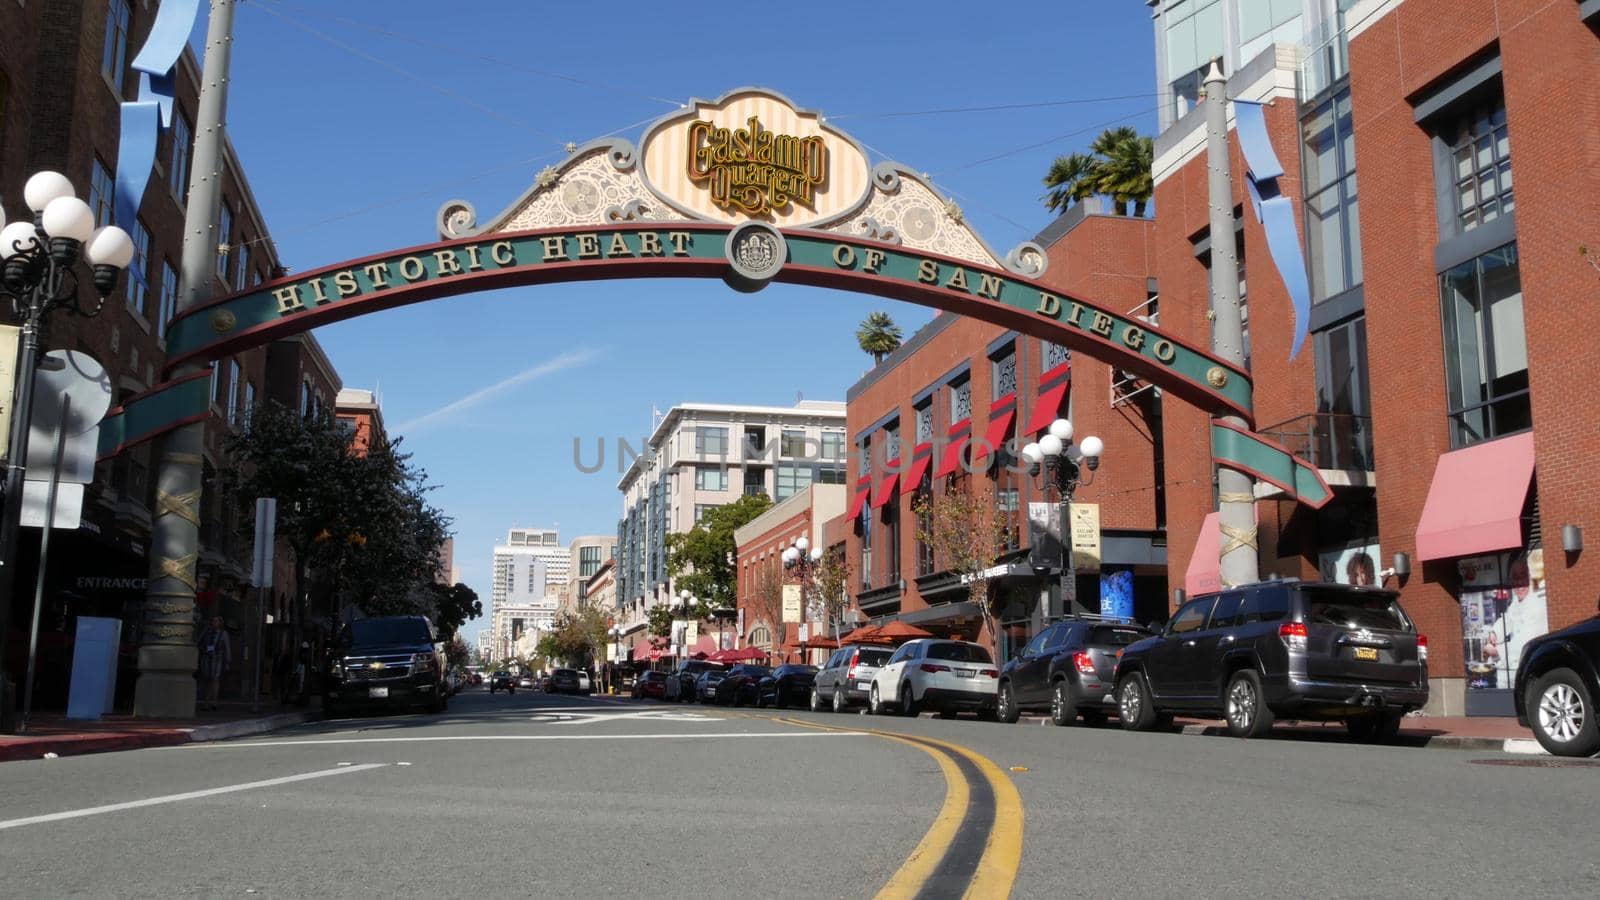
[84, 744]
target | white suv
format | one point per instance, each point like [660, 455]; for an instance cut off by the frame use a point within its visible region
[948, 676]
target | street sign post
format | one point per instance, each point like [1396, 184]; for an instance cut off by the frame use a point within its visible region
[261, 578]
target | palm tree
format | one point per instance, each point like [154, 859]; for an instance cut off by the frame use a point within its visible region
[1118, 165]
[878, 335]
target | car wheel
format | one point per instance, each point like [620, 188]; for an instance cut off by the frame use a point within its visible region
[908, 702]
[816, 700]
[1562, 713]
[874, 703]
[1245, 708]
[1006, 710]
[1063, 709]
[838, 700]
[1134, 705]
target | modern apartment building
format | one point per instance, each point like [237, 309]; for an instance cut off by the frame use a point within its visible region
[704, 455]
[530, 572]
[585, 555]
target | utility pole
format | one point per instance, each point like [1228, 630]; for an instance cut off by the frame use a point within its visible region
[167, 653]
[1236, 498]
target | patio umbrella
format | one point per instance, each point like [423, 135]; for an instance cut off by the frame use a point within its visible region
[900, 632]
[866, 634]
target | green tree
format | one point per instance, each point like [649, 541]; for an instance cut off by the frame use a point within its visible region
[967, 540]
[660, 618]
[454, 605]
[578, 636]
[830, 578]
[456, 651]
[1118, 165]
[878, 335]
[700, 560]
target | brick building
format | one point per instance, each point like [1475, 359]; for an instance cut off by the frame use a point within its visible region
[63, 73]
[930, 414]
[1448, 426]
[759, 619]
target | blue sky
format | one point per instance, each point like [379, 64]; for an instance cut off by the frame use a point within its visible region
[355, 121]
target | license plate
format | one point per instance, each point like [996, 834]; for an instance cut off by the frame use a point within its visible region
[863, 685]
[966, 673]
[378, 692]
[1367, 653]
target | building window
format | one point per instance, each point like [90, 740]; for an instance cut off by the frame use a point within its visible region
[891, 442]
[102, 193]
[833, 445]
[139, 272]
[700, 510]
[1486, 350]
[1480, 165]
[1264, 22]
[1053, 355]
[924, 514]
[792, 479]
[224, 234]
[793, 444]
[1344, 434]
[710, 478]
[830, 474]
[243, 270]
[925, 422]
[891, 544]
[249, 400]
[960, 399]
[866, 546]
[169, 298]
[182, 145]
[755, 480]
[1004, 366]
[1194, 38]
[589, 557]
[114, 56]
[711, 441]
[864, 459]
[233, 389]
[1333, 219]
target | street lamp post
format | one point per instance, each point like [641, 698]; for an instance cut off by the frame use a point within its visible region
[801, 559]
[1062, 464]
[38, 277]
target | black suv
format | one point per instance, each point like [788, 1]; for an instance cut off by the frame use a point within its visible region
[1280, 648]
[1067, 668]
[681, 683]
[1558, 683]
[386, 661]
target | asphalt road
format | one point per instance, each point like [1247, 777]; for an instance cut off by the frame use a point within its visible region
[532, 795]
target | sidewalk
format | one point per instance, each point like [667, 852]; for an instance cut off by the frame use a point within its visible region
[1478, 733]
[54, 734]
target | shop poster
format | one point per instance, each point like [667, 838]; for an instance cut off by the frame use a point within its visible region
[1503, 606]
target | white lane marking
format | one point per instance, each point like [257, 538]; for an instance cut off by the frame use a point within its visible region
[237, 745]
[190, 795]
[591, 718]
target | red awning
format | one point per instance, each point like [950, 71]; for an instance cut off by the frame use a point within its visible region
[919, 467]
[1475, 501]
[863, 488]
[643, 652]
[995, 437]
[1204, 574]
[951, 460]
[886, 491]
[1048, 407]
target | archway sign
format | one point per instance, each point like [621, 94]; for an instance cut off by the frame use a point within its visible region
[747, 188]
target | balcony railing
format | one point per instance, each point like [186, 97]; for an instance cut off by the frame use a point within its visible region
[1327, 440]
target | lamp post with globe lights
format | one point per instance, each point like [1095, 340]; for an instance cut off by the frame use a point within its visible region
[1062, 464]
[38, 275]
[801, 559]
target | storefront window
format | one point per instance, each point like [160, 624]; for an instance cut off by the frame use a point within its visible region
[1503, 606]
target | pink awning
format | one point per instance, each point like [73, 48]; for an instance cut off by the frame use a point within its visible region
[1475, 500]
[1204, 573]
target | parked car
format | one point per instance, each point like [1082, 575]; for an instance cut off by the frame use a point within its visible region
[846, 678]
[585, 683]
[786, 686]
[525, 682]
[948, 676]
[1557, 684]
[705, 686]
[564, 681]
[503, 681]
[1067, 669]
[680, 684]
[1280, 648]
[740, 685]
[650, 684]
[385, 661]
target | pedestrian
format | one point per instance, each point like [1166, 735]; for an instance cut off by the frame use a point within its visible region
[216, 655]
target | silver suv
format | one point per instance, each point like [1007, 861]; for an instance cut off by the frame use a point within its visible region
[846, 678]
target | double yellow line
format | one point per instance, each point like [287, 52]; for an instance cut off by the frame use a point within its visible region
[959, 819]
